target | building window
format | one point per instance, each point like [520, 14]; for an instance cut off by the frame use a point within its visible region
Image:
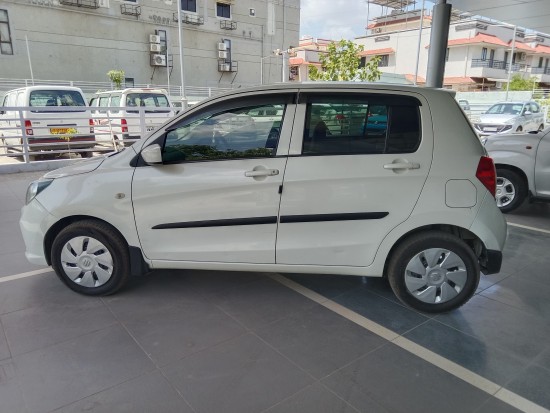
[384, 60]
[484, 53]
[541, 60]
[129, 81]
[447, 55]
[223, 10]
[6, 46]
[189, 5]
[252, 12]
[163, 42]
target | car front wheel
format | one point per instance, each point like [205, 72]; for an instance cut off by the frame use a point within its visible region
[91, 258]
[433, 272]
[511, 190]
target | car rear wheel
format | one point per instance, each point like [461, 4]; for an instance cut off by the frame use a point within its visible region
[519, 129]
[433, 272]
[511, 190]
[91, 258]
[541, 127]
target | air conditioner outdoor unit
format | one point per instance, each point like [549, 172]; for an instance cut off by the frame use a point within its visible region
[377, 30]
[222, 55]
[158, 60]
[103, 3]
[222, 46]
[225, 67]
[154, 47]
[153, 38]
[522, 56]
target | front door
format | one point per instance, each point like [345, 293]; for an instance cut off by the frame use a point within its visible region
[355, 171]
[216, 196]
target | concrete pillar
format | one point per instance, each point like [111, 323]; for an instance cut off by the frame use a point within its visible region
[438, 44]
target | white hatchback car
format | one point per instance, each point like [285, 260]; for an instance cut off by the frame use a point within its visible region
[223, 186]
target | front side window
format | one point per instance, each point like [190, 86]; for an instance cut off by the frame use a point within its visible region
[244, 132]
[350, 126]
[505, 108]
[189, 5]
[6, 45]
[115, 103]
[223, 10]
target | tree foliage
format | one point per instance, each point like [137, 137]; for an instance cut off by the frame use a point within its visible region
[341, 63]
[518, 82]
[117, 77]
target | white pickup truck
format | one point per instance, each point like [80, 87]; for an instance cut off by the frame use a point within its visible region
[523, 167]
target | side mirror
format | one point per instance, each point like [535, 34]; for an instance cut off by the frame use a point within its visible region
[2, 112]
[152, 155]
[527, 112]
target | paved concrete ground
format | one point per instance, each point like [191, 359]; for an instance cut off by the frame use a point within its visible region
[198, 341]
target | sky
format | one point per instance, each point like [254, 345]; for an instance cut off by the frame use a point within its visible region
[337, 19]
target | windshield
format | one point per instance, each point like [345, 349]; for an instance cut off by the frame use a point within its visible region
[148, 100]
[505, 109]
[56, 98]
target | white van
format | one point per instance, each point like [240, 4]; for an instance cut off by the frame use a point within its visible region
[116, 113]
[60, 121]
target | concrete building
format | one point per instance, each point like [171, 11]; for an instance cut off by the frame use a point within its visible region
[478, 50]
[81, 40]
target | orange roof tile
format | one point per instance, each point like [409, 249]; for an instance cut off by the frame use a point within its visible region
[457, 80]
[377, 52]
[542, 49]
[410, 78]
[478, 39]
[522, 46]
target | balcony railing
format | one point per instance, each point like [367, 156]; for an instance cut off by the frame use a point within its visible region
[130, 10]
[493, 64]
[228, 25]
[89, 4]
[189, 19]
[540, 70]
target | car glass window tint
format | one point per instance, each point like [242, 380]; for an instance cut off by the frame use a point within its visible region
[245, 132]
[404, 133]
[115, 103]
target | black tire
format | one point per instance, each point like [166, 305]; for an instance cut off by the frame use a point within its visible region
[541, 127]
[519, 129]
[86, 154]
[516, 182]
[411, 249]
[116, 247]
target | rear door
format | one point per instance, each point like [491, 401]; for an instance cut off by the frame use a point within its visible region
[356, 168]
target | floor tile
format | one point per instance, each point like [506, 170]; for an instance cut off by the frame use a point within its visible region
[11, 240]
[4, 349]
[387, 313]
[170, 328]
[533, 384]
[35, 291]
[262, 302]
[538, 270]
[319, 340]
[543, 359]
[469, 352]
[11, 397]
[37, 327]
[523, 294]
[494, 405]
[241, 375]
[486, 281]
[313, 399]
[521, 334]
[67, 372]
[402, 382]
[148, 393]
[16, 263]
[329, 286]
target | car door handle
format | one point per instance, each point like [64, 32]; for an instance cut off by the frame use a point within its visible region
[402, 165]
[261, 172]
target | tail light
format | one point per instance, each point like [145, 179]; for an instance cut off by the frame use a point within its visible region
[487, 174]
[91, 123]
[28, 128]
[124, 125]
[340, 117]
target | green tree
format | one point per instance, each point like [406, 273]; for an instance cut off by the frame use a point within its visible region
[117, 77]
[518, 82]
[341, 63]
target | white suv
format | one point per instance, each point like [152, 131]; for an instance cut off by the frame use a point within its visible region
[256, 181]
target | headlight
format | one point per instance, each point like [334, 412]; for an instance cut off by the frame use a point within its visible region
[35, 188]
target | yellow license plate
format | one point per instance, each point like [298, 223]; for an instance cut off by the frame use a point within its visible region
[62, 131]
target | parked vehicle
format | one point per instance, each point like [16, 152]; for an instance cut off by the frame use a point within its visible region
[116, 113]
[54, 118]
[242, 182]
[523, 167]
[510, 117]
[464, 104]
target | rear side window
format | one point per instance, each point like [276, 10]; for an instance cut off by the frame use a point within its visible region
[56, 98]
[103, 103]
[115, 103]
[361, 125]
[153, 102]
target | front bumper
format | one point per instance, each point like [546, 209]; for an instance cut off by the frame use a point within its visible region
[34, 224]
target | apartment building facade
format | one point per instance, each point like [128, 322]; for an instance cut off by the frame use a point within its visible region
[223, 40]
[478, 54]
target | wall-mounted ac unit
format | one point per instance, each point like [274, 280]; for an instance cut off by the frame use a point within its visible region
[158, 60]
[154, 47]
[103, 3]
[222, 55]
[522, 56]
[225, 67]
[377, 30]
[222, 46]
[153, 38]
